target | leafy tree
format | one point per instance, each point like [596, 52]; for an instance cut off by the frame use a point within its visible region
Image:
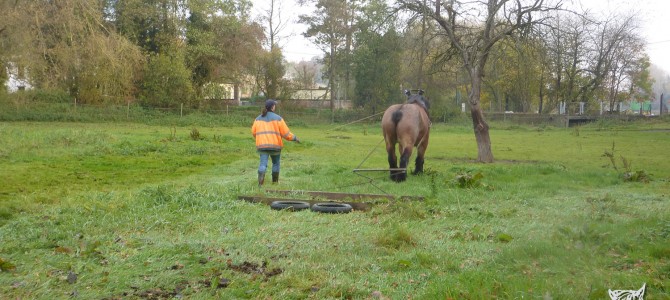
[222, 43]
[10, 29]
[641, 82]
[153, 25]
[270, 73]
[472, 35]
[513, 75]
[377, 74]
[64, 45]
[167, 81]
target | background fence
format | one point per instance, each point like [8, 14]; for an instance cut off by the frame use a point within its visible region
[244, 115]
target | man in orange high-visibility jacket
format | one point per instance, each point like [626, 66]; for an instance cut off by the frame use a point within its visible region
[269, 129]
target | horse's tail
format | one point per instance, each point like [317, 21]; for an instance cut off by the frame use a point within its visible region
[397, 115]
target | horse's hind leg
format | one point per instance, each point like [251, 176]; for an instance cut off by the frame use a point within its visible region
[393, 160]
[421, 151]
[418, 165]
[404, 159]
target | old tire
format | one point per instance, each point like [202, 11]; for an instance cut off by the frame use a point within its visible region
[289, 205]
[332, 208]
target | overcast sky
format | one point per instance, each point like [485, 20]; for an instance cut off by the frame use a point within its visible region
[655, 18]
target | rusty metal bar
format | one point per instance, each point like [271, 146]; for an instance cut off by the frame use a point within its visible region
[342, 196]
[385, 170]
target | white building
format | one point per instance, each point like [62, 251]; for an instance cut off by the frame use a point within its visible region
[17, 80]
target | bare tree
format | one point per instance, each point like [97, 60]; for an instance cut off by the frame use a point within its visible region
[271, 69]
[474, 27]
[305, 74]
[615, 42]
[566, 42]
[274, 23]
[331, 27]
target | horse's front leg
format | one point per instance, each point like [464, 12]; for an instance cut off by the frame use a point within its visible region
[393, 160]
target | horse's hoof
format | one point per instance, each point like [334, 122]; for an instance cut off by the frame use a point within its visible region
[399, 178]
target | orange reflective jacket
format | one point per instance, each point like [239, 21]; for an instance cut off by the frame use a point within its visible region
[269, 131]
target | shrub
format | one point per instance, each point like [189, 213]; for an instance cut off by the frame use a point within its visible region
[628, 175]
[195, 134]
[468, 180]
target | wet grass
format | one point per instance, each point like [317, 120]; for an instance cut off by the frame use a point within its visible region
[138, 211]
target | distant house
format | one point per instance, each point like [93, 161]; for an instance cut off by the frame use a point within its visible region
[640, 107]
[17, 79]
[224, 94]
[317, 98]
[226, 91]
[311, 94]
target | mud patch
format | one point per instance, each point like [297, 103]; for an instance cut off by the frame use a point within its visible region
[254, 268]
[215, 278]
[156, 294]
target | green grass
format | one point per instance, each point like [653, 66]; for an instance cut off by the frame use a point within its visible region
[145, 211]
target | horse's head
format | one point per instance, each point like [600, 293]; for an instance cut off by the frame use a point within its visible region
[418, 98]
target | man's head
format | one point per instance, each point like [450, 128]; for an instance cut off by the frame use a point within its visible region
[270, 104]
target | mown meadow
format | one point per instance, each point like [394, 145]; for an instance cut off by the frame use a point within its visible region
[135, 211]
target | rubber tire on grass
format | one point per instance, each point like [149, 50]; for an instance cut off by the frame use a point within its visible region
[332, 208]
[289, 205]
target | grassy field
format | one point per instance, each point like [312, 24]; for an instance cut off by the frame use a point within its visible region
[130, 211]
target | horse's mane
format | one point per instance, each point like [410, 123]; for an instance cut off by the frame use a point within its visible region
[418, 99]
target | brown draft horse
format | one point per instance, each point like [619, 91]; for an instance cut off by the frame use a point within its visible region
[408, 125]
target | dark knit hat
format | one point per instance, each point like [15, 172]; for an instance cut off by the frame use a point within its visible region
[269, 104]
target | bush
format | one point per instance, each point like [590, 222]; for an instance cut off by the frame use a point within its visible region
[168, 82]
[50, 96]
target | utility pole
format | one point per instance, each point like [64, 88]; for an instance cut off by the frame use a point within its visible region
[660, 105]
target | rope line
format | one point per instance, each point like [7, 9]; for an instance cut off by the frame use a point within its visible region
[368, 156]
[370, 180]
[338, 127]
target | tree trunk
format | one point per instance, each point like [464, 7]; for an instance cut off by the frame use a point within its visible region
[539, 109]
[484, 153]
[236, 94]
[348, 45]
[422, 51]
[331, 72]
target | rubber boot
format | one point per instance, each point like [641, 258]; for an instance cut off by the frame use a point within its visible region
[275, 177]
[261, 178]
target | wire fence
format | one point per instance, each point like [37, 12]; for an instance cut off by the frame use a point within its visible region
[229, 114]
[244, 115]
